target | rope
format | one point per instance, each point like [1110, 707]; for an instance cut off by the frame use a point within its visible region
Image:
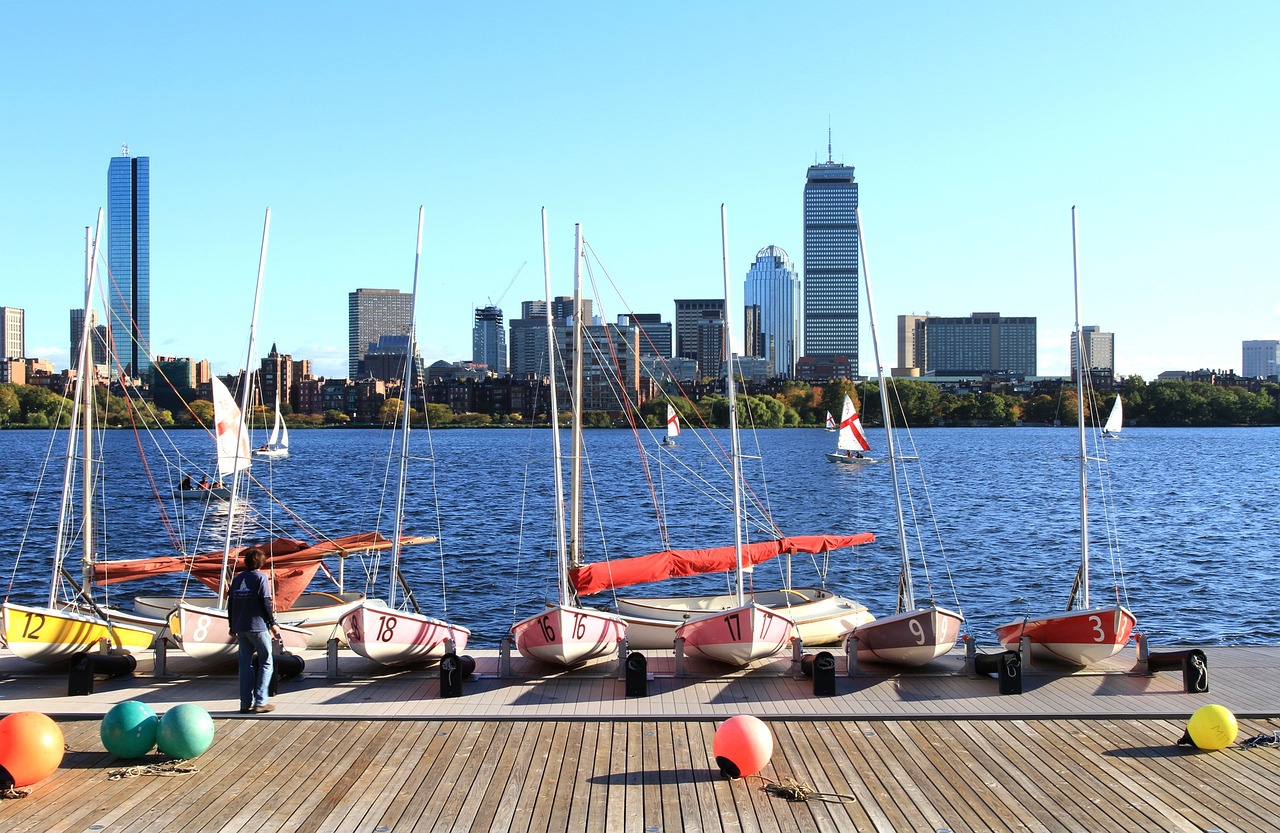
[793, 790]
[168, 768]
[1256, 741]
[14, 792]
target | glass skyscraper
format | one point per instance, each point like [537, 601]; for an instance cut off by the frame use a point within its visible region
[129, 261]
[773, 286]
[831, 262]
[489, 340]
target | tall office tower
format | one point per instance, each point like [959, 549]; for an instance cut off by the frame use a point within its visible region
[13, 333]
[655, 335]
[985, 342]
[1260, 358]
[773, 286]
[1099, 353]
[98, 338]
[371, 314]
[527, 341]
[910, 359]
[129, 261]
[831, 262]
[689, 314]
[489, 340]
[712, 333]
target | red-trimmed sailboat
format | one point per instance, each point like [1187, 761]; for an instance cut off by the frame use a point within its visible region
[913, 635]
[566, 633]
[851, 441]
[1081, 635]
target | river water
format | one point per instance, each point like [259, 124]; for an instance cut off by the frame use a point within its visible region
[1194, 511]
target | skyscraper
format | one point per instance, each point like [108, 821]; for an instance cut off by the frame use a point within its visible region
[831, 262]
[372, 313]
[690, 313]
[1260, 358]
[129, 261]
[13, 333]
[773, 286]
[1099, 353]
[489, 340]
[985, 342]
[99, 337]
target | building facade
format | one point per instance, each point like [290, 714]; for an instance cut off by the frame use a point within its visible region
[909, 359]
[773, 286]
[489, 340]
[371, 314]
[13, 333]
[830, 321]
[1099, 353]
[690, 315]
[129, 261]
[985, 342]
[1260, 358]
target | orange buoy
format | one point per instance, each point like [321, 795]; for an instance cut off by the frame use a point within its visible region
[31, 747]
[742, 746]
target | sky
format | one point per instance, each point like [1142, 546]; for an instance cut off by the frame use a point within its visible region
[974, 128]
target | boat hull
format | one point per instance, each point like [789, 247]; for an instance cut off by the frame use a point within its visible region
[739, 636]
[316, 613]
[1076, 637]
[212, 493]
[204, 634]
[911, 638]
[821, 617]
[849, 459]
[271, 453]
[53, 636]
[567, 636]
[398, 637]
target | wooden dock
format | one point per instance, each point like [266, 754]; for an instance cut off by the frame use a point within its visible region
[931, 750]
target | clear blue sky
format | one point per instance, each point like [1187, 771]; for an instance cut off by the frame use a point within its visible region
[974, 128]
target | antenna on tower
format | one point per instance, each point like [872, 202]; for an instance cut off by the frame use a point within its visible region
[124, 150]
[829, 159]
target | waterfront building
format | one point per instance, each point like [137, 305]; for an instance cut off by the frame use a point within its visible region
[690, 315]
[384, 359]
[13, 333]
[611, 378]
[985, 342]
[527, 341]
[173, 383]
[655, 334]
[1260, 358]
[1099, 354]
[772, 296]
[489, 340]
[830, 320]
[129, 262]
[909, 358]
[371, 314]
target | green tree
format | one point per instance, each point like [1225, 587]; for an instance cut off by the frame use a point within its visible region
[331, 416]
[438, 414]
[10, 407]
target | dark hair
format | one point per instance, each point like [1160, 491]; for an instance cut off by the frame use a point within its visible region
[254, 558]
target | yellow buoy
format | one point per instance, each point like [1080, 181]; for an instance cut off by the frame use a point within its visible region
[1212, 727]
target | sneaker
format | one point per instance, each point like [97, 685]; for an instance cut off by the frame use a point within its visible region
[266, 707]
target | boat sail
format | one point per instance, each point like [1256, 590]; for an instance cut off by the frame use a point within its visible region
[278, 443]
[913, 635]
[1081, 635]
[673, 426]
[831, 422]
[1115, 420]
[566, 633]
[851, 440]
[391, 633]
[749, 631]
[74, 622]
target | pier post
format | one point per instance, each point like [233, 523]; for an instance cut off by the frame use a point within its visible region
[1143, 665]
[623, 653]
[161, 665]
[504, 656]
[851, 655]
[331, 658]
[679, 646]
[1024, 653]
[797, 658]
[970, 655]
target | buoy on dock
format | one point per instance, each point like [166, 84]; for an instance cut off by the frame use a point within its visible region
[185, 731]
[128, 729]
[1211, 727]
[742, 746]
[31, 747]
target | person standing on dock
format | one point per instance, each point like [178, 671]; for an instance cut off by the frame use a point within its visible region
[252, 616]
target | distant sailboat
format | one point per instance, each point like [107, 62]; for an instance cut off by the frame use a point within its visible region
[831, 422]
[1115, 419]
[278, 443]
[673, 426]
[852, 440]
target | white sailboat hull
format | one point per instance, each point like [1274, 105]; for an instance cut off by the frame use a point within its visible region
[387, 636]
[316, 613]
[567, 636]
[53, 636]
[204, 634]
[912, 638]
[1075, 637]
[739, 636]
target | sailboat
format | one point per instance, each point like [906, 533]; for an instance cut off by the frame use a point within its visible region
[852, 440]
[1115, 420]
[748, 631]
[831, 422]
[278, 443]
[388, 632]
[566, 633]
[69, 624]
[1081, 635]
[673, 426]
[913, 635]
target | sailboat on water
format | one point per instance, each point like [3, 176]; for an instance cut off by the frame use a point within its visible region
[1082, 634]
[396, 631]
[673, 426]
[277, 445]
[851, 441]
[914, 634]
[1115, 420]
[566, 633]
[831, 422]
[72, 621]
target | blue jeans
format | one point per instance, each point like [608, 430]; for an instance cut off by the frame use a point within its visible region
[254, 682]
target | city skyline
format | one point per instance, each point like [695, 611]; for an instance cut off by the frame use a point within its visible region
[973, 130]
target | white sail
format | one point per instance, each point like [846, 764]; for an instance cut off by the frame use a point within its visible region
[1115, 419]
[673, 423]
[851, 437]
[233, 440]
[831, 422]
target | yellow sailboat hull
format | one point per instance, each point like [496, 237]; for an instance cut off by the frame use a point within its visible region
[49, 635]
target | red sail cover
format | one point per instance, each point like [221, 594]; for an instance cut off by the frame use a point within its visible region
[291, 564]
[604, 575]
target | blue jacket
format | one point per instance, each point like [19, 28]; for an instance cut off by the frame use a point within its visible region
[249, 606]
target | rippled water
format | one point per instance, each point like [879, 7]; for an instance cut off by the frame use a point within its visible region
[1195, 509]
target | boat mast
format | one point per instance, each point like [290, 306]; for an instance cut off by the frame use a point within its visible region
[735, 452]
[906, 588]
[562, 553]
[84, 378]
[405, 413]
[575, 472]
[242, 428]
[1080, 406]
